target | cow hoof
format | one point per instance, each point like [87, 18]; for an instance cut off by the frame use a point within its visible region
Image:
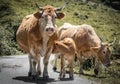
[35, 77]
[64, 76]
[71, 78]
[29, 74]
[54, 68]
[45, 77]
[96, 71]
[61, 77]
[39, 73]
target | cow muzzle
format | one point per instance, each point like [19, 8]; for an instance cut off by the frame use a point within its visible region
[108, 64]
[50, 31]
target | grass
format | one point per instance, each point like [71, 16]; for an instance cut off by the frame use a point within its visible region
[108, 75]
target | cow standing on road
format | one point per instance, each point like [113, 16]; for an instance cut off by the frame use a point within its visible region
[67, 49]
[36, 36]
[88, 44]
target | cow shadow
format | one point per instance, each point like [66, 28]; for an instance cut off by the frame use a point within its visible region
[65, 78]
[94, 76]
[90, 75]
[29, 80]
[85, 75]
[59, 71]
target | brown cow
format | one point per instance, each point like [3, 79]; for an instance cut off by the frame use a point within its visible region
[36, 36]
[88, 44]
[67, 49]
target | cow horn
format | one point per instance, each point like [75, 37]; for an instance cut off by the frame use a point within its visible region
[40, 8]
[110, 44]
[62, 7]
[101, 38]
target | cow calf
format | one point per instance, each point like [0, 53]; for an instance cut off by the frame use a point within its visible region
[67, 49]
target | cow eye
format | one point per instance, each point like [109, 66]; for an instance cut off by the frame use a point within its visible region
[104, 52]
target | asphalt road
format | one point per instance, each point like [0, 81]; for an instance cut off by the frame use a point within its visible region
[14, 70]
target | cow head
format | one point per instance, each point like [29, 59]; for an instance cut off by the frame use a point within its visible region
[66, 46]
[103, 53]
[47, 16]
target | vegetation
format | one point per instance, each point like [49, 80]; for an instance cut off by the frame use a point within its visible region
[109, 75]
[101, 16]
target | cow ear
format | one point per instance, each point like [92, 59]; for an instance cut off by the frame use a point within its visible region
[37, 14]
[60, 15]
[95, 49]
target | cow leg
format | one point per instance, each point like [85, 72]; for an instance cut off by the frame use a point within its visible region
[81, 66]
[38, 66]
[55, 63]
[62, 71]
[46, 60]
[80, 60]
[71, 72]
[34, 59]
[96, 70]
[30, 66]
[34, 70]
[45, 72]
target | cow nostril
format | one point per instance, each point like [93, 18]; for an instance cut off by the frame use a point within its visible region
[47, 29]
[51, 29]
[107, 65]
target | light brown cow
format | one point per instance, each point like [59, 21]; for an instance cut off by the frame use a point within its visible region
[36, 36]
[88, 44]
[67, 49]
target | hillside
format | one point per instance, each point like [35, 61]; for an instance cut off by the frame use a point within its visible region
[103, 18]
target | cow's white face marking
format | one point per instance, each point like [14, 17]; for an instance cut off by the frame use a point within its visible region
[50, 25]
[48, 18]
